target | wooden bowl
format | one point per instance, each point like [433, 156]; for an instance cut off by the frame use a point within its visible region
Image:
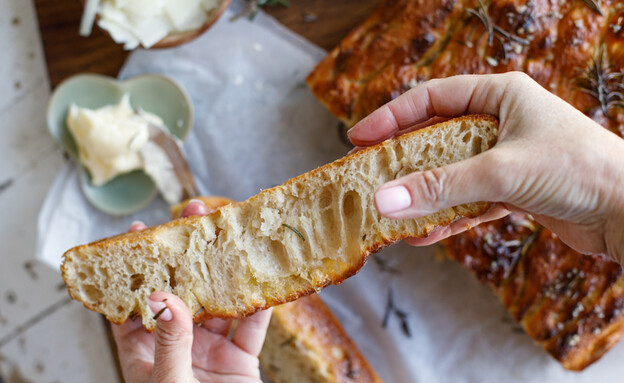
[180, 38]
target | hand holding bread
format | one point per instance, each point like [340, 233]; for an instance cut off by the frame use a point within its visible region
[283, 243]
[550, 160]
[177, 350]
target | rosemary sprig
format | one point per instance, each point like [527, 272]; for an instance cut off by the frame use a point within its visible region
[389, 307]
[288, 341]
[594, 5]
[480, 12]
[351, 372]
[294, 230]
[601, 81]
[339, 66]
[522, 251]
[383, 265]
[272, 3]
[402, 315]
[254, 6]
[159, 313]
[575, 285]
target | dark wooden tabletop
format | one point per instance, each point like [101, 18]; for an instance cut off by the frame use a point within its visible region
[324, 22]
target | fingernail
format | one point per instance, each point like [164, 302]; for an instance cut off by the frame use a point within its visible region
[355, 150]
[137, 225]
[160, 310]
[392, 199]
[195, 207]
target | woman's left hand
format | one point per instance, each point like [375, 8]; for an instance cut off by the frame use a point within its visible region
[180, 352]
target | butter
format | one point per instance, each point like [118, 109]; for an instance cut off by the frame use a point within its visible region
[145, 22]
[114, 140]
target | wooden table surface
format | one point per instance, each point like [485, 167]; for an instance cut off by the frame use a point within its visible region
[67, 53]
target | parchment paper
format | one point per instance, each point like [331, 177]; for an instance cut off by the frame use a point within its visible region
[257, 126]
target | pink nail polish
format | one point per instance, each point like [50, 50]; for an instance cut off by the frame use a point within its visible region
[392, 199]
[160, 310]
[195, 207]
[137, 225]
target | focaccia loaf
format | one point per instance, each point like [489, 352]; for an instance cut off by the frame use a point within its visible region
[570, 304]
[569, 47]
[284, 243]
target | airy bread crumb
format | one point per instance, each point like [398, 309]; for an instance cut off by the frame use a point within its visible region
[286, 242]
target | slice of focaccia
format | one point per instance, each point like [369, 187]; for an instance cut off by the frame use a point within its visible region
[284, 243]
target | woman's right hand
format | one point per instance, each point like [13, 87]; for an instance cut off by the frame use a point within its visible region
[550, 160]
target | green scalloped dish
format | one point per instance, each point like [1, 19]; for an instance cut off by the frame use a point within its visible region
[130, 192]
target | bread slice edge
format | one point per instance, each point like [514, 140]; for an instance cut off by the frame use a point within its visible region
[286, 242]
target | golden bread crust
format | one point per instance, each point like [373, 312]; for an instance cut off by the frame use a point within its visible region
[316, 337]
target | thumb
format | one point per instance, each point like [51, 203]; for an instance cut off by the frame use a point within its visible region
[174, 339]
[422, 193]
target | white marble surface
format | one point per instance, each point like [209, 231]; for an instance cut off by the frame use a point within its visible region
[43, 337]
